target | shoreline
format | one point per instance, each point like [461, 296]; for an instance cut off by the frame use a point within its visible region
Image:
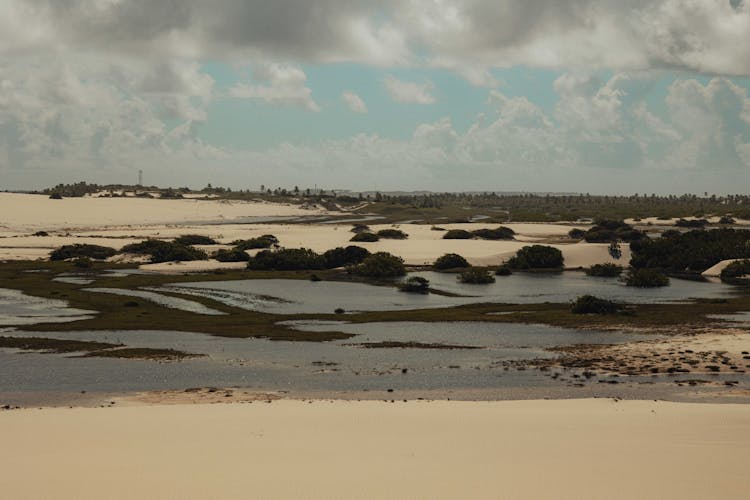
[584, 448]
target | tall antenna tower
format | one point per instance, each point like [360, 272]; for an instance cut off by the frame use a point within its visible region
[140, 177]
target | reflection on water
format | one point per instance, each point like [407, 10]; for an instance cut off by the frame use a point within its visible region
[282, 296]
[161, 299]
[17, 308]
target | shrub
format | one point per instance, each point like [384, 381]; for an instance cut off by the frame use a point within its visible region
[608, 270]
[437, 228]
[693, 223]
[392, 234]
[286, 259]
[415, 284]
[365, 237]
[537, 257]
[231, 255]
[499, 233]
[736, 269]
[450, 261]
[726, 220]
[605, 231]
[83, 263]
[91, 251]
[503, 271]
[165, 251]
[360, 228]
[380, 265]
[646, 278]
[339, 257]
[576, 233]
[194, 239]
[457, 234]
[55, 196]
[476, 276]
[588, 304]
[41, 233]
[265, 241]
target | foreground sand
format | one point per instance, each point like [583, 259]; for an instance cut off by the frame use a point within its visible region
[293, 449]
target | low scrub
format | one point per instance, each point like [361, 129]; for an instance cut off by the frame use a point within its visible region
[503, 271]
[450, 261]
[231, 255]
[195, 239]
[380, 265]
[365, 237]
[607, 270]
[692, 223]
[646, 278]
[605, 231]
[537, 257]
[737, 269]
[499, 233]
[265, 241]
[415, 284]
[476, 276]
[286, 259]
[78, 250]
[457, 234]
[392, 234]
[165, 251]
[344, 256]
[588, 304]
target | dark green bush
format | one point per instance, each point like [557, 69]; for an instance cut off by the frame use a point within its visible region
[457, 234]
[231, 255]
[499, 233]
[503, 271]
[692, 223]
[194, 239]
[165, 251]
[55, 196]
[415, 284]
[265, 241]
[607, 270]
[736, 269]
[360, 228]
[476, 276]
[576, 233]
[588, 304]
[78, 250]
[646, 278]
[365, 237]
[380, 265]
[286, 259]
[340, 256]
[726, 220]
[537, 257]
[605, 231]
[392, 234]
[450, 261]
[41, 233]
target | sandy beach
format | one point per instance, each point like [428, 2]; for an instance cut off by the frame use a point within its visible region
[295, 449]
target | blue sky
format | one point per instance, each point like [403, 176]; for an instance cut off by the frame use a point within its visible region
[551, 95]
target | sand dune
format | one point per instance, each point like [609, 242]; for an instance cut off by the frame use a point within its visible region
[561, 449]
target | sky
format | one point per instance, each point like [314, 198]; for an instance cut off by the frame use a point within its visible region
[600, 96]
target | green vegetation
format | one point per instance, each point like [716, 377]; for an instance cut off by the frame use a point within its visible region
[537, 257]
[340, 256]
[503, 270]
[380, 265]
[83, 263]
[737, 269]
[607, 270]
[195, 239]
[415, 284]
[692, 223]
[55, 196]
[646, 278]
[265, 241]
[391, 234]
[476, 276]
[286, 259]
[231, 255]
[165, 251]
[693, 251]
[499, 233]
[360, 228]
[450, 261]
[78, 250]
[588, 304]
[605, 231]
[457, 234]
[365, 237]
[725, 219]
[576, 234]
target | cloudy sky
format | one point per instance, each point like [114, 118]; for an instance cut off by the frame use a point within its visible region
[608, 96]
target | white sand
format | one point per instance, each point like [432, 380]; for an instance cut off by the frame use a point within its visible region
[717, 268]
[561, 449]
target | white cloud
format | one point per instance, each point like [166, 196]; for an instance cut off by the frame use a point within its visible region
[409, 92]
[354, 102]
[284, 85]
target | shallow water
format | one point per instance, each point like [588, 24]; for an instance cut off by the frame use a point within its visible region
[161, 299]
[17, 308]
[282, 296]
